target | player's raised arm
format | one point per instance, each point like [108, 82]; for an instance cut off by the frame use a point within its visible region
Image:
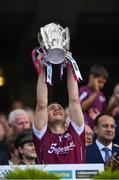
[74, 103]
[41, 115]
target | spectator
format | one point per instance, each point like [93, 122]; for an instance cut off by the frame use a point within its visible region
[26, 149]
[113, 108]
[113, 104]
[88, 135]
[116, 138]
[103, 150]
[91, 95]
[18, 104]
[19, 120]
[3, 119]
[12, 152]
[54, 143]
[31, 114]
[4, 122]
[2, 132]
[2, 137]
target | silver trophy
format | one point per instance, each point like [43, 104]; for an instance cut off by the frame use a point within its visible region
[56, 41]
[54, 49]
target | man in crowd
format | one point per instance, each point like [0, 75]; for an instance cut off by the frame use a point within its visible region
[19, 120]
[103, 150]
[55, 142]
[88, 135]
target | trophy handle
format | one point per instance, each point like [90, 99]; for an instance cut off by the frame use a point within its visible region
[66, 39]
[40, 39]
[44, 38]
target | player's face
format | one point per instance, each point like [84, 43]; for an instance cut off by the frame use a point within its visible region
[55, 113]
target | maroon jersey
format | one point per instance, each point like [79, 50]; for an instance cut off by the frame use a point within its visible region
[66, 148]
[99, 103]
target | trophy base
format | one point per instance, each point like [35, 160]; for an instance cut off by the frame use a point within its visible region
[56, 56]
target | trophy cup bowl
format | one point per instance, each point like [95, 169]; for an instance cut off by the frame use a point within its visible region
[55, 40]
[56, 55]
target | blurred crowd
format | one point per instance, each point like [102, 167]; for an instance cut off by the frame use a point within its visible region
[16, 139]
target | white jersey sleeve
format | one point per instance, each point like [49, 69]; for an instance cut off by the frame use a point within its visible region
[39, 133]
[78, 129]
